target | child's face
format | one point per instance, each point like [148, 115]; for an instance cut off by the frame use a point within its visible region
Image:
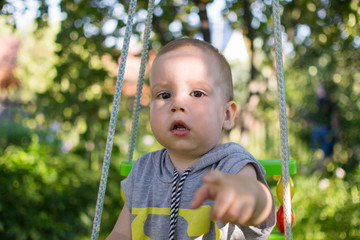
[189, 109]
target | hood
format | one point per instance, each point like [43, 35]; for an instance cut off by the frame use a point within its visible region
[229, 152]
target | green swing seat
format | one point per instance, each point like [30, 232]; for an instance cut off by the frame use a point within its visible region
[272, 168]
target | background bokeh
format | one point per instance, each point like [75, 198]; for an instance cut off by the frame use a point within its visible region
[58, 67]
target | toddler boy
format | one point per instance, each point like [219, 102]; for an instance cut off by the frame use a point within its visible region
[196, 187]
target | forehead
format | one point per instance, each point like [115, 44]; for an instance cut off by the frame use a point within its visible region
[187, 50]
[188, 64]
[185, 55]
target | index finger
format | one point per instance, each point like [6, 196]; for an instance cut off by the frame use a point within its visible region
[208, 190]
[200, 196]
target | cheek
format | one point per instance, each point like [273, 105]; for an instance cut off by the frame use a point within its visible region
[156, 117]
[153, 109]
[209, 117]
[153, 117]
[154, 125]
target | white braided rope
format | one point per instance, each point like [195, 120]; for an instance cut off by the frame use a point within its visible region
[175, 200]
[110, 137]
[283, 119]
[140, 83]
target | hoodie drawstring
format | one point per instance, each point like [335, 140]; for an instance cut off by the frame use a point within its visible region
[175, 199]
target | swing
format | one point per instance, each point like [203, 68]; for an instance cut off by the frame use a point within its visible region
[283, 167]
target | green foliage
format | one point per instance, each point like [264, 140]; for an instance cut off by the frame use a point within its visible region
[13, 134]
[41, 197]
[47, 194]
[326, 208]
[50, 177]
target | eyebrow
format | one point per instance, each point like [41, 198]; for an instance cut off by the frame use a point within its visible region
[200, 82]
[159, 84]
[205, 84]
[193, 83]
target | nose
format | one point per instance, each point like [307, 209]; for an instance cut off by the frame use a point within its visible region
[176, 108]
[178, 104]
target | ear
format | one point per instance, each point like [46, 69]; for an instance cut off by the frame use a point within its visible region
[230, 112]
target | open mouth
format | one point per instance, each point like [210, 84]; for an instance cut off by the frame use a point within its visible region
[179, 125]
[179, 128]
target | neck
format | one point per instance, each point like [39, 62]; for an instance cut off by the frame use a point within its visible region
[182, 162]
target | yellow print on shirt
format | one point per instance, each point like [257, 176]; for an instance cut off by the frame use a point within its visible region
[198, 221]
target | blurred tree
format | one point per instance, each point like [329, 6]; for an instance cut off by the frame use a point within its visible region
[321, 47]
[41, 197]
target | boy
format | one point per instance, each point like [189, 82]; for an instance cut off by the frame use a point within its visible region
[196, 187]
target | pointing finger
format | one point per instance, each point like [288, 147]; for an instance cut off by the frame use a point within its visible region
[200, 196]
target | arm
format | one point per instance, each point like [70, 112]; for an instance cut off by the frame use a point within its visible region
[122, 228]
[238, 199]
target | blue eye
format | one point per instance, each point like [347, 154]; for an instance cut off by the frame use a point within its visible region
[197, 94]
[164, 95]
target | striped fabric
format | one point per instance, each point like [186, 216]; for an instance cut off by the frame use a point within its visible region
[175, 200]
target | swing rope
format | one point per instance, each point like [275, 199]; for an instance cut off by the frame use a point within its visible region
[136, 110]
[115, 108]
[110, 137]
[140, 83]
[282, 118]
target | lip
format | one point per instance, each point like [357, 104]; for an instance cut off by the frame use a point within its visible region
[184, 131]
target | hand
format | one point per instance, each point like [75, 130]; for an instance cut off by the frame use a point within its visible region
[233, 199]
[234, 196]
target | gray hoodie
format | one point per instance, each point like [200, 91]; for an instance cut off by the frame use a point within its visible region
[148, 190]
